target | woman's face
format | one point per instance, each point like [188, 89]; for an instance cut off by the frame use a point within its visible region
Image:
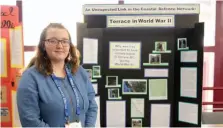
[57, 44]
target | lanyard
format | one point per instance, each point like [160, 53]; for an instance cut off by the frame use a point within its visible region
[55, 79]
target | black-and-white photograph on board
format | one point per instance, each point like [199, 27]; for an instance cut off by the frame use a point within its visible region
[113, 93]
[112, 81]
[160, 46]
[96, 72]
[136, 122]
[182, 44]
[154, 58]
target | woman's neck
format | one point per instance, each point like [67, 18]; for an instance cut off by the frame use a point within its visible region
[58, 69]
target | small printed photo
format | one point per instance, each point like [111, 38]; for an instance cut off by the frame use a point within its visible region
[4, 112]
[182, 43]
[89, 71]
[136, 122]
[96, 71]
[160, 46]
[113, 93]
[134, 86]
[154, 58]
[112, 80]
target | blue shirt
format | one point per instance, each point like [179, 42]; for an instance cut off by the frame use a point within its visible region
[40, 103]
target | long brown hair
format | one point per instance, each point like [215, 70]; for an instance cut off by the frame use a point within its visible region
[42, 61]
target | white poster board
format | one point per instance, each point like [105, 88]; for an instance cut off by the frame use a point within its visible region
[137, 107]
[188, 112]
[115, 112]
[160, 115]
[15, 114]
[90, 51]
[188, 56]
[16, 47]
[4, 72]
[98, 120]
[188, 83]
[156, 72]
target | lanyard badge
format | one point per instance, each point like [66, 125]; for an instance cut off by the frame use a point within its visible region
[73, 125]
[55, 79]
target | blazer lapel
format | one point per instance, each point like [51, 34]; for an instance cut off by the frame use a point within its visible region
[78, 87]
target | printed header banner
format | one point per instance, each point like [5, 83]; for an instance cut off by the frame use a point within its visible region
[141, 21]
[95, 9]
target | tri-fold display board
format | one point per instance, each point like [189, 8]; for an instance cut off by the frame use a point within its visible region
[145, 63]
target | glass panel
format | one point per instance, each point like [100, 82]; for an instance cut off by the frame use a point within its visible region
[207, 96]
[208, 79]
[208, 16]
[35, 19]
[208, 69]
[28, 57]
[7, 2]
[36, 16]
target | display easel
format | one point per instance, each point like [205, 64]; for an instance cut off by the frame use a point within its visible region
[144, 38]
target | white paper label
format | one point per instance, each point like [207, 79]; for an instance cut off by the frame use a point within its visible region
[140, 21]
[125, 55]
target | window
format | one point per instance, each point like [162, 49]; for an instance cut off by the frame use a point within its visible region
[208, 16]
[208, 79]
[38, 14]
[8, 2]
[28, 56]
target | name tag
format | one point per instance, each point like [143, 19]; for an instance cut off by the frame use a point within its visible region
[73, 125]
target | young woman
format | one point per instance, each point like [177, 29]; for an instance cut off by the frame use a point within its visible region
[55, 91]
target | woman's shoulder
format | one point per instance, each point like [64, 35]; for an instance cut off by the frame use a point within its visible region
[31, 73]
[30, 70]
[28, 78]
[81, 72]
